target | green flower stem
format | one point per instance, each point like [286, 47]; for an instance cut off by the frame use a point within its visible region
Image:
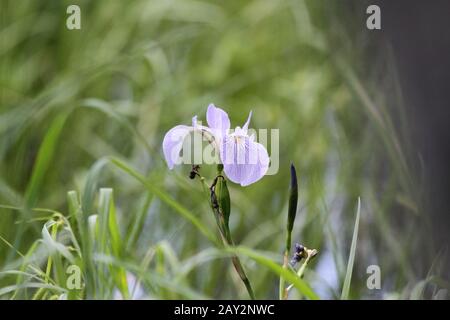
[292, 211]
[281, 292]
[227, 241]
[238, 265]
[225, 233]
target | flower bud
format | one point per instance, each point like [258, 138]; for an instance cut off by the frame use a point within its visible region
[292, 210]
[223, 198]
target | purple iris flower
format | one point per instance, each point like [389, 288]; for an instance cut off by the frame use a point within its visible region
[245, 161]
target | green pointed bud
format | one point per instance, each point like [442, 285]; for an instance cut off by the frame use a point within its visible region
[223, 198]
[292, 211]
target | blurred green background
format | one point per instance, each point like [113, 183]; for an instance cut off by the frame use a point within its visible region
[72, 99]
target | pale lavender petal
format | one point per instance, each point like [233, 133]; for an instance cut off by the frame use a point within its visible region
[244, 160]
[217, 120]
[245, 127]
[173, 142]
[262, 164]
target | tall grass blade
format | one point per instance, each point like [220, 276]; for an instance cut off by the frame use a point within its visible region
[44, 159]
[110, 239]
[351, 257]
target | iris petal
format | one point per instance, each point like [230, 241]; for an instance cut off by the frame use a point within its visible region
[217, 120]
[259, 169]
[244, 160]
[245, 127]
[173, 142]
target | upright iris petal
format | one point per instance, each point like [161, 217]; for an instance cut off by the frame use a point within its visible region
[247, 123]
[218, 120]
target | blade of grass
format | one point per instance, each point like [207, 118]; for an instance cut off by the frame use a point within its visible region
[153, 278]
[109, 238]
[91, 186]
[44, 159]
[52, 245]
[41, 166]
[116, 247]
[137, 224]
[351, 257]
[85, 250]
[38, 285]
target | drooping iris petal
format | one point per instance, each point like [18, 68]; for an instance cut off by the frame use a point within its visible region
[259, 166]
[173, 142]
[244, 160]
[218, 120]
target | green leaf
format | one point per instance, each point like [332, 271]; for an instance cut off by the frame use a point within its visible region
[91, 185]
[351, 258]
[109, 235]
[418, 290]
[150, 279]
[39, 285]
[44, 159]
[138, 221]
[52, 245]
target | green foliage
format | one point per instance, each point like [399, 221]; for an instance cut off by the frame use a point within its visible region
[351, 256]
[86, 110]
